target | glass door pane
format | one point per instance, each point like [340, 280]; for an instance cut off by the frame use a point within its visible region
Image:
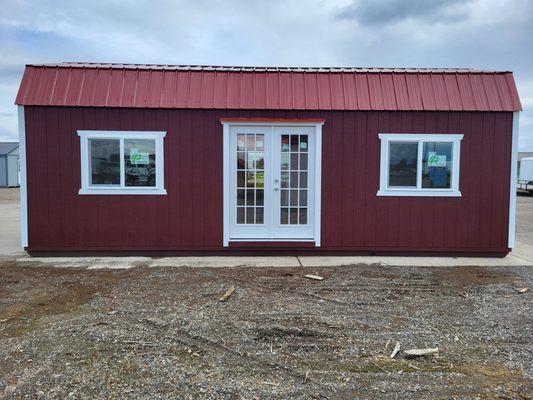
[250, 171]
[294, 170]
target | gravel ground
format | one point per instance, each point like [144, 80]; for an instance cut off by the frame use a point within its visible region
[150, 333]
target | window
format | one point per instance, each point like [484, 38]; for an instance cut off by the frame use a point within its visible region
[419, 165]
[121, 162]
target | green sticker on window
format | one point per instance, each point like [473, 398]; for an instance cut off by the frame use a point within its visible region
[436, 160]
[138, 158]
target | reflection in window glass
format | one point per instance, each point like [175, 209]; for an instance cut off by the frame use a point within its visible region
[105, 161]
[402, 164]
[437, 165]
[139, 162]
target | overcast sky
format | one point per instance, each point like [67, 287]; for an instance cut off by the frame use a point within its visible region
[489, 34]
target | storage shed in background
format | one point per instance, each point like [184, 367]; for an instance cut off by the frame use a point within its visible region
[9, 164]
[216, 160]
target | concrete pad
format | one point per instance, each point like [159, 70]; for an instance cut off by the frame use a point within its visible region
[10, 224]
[226, 261]
[85, 262]
[323, 261]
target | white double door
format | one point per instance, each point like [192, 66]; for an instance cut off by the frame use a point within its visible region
[272, 182]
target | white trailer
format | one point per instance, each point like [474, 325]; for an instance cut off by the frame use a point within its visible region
[525, 176]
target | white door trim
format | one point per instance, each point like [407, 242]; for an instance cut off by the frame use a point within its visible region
[226, 124]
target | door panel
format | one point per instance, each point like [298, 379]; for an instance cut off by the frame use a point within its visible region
[250, 184]
[271, 182]
[294, 191]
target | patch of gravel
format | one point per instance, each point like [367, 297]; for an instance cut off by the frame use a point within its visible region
[157, 333]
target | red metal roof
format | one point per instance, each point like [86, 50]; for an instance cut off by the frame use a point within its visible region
[268, 88]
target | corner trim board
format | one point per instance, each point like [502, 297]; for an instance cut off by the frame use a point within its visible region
[23, 178]
[512, 181]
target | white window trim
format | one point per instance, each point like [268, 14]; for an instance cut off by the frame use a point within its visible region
[226, 173]
[86, 189]
[385, 190]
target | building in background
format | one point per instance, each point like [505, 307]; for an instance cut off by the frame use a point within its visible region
[9, 164]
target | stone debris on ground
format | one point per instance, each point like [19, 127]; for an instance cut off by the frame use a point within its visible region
[280, 338]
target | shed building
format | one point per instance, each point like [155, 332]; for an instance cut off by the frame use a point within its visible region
[9, 164]
[218, 160]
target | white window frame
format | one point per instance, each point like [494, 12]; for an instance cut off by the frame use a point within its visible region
[420, 138]
[86, 188]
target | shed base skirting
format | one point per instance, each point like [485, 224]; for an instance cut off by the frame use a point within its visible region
[251, 249]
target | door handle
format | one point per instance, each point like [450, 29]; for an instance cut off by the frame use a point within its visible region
[276, 184]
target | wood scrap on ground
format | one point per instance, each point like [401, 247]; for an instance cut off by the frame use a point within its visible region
[314, 277]
[522, 290]
[395, 350]
[421, 352]
[228, 293]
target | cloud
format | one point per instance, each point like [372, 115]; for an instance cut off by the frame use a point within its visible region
[377, 12]
[487, 34]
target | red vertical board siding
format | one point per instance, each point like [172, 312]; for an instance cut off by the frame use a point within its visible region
[189, 217]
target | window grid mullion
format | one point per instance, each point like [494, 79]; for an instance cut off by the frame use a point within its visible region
[122, 167]
[419, 165]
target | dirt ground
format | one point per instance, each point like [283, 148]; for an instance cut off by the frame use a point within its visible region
[150, 333]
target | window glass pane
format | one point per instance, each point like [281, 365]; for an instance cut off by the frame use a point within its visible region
[139, 162]
[303, 161]
[240, 215]
[294, 179]
[241, 160]
[294, 198]
[284, 161]
[293, 216]
[303, 197]
[294, 161]
[240, 142]
[402, 164]
[259, 197]
[303, 216]
[284, 197]
[250, 213]
[294, 142]
[105, 161]
[284, 216]
[437, 165]
[259, 215]
[303, 143]
[240, 197]
[250, 199]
